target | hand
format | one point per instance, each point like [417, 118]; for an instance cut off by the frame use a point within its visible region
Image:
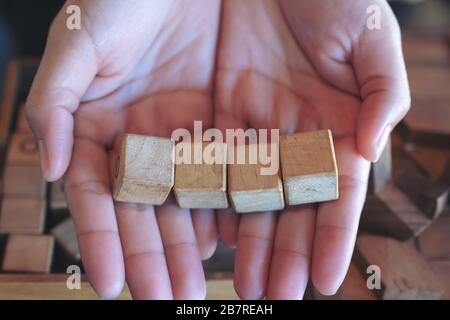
[302, 65]
[144, 68]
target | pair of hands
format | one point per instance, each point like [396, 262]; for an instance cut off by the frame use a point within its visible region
[149, 67]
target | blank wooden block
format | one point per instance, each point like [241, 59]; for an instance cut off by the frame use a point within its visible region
[309, 167]
[391, 213]
[57, 196]
[429, 196]
[24, 181]
[22, 215]
[201, 185]
[23, 150]
[405, 274]
[28, 253]
[66, 235]
[145, 169]
[249, 189]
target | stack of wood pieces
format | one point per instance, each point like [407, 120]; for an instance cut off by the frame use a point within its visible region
[405, 224]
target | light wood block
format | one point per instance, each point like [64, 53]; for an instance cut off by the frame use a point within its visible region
[249, 189]
[28, 253]
[57, 195]
[23, 181]
[66, 236]
[308, 164]
[405, 274]
[23, 150]
[23, 216]
[144, 169]
[201, 185]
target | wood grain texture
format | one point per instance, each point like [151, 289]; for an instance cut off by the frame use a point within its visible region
[22, 215]
[28, 253]
[201, 185]
[66, 236]
[250, 189]
[145, 169]
[381, 171]
[434, 243]
[23, 150]
[429, 196]
[405, 274]
[57, 196]
[309, 168]
[23, 181]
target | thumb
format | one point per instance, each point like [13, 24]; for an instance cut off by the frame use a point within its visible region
[66, 71]
[381, 73]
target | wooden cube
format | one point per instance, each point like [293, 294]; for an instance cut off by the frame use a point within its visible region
[144, 169]
[24, 181]
[23, 150]
[65, 234]
[249, 189]
[309, 167]
[201, 185]
[22, 215]
[28, 253]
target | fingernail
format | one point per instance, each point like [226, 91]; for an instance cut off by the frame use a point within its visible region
[44, 158]
[382, 140]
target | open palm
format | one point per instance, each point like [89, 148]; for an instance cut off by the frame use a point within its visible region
[279, 67]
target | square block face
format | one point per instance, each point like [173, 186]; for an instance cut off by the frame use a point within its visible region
[252, 189]
[23, 150]
[24, 181]
[27, 253]
[145, 169]
[201, 184]
[309, 167]
[22, 215]
[66, 236]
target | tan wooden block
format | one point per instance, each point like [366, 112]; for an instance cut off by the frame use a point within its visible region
[201, 185]
[144, 169]
[308, 164]
[24, 216]
[28, 253]
[66, 236]
[23, 150]
[57, 195]
[405, 274]
[252, 191]
[24, 181]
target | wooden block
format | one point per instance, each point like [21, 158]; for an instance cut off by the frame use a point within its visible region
[251, 190]
[23, 181]
[434, 243]
[354, 287]
[381, 171]
[201, 185]
[28, 253]
[405, 274]
[144, 169]
[309, 167]
[392, 214]
[66, 235]
[23, 150]
[429, 196]
[57, 195]
[22, 215]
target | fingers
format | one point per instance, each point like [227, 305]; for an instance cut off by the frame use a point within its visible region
[204, 223]
[181, 251]
[67, 68]
[147, 274]
[384, 89]
[337, 221]
[227, 224]
[253, 254]
[289, 268]
[91, 205]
